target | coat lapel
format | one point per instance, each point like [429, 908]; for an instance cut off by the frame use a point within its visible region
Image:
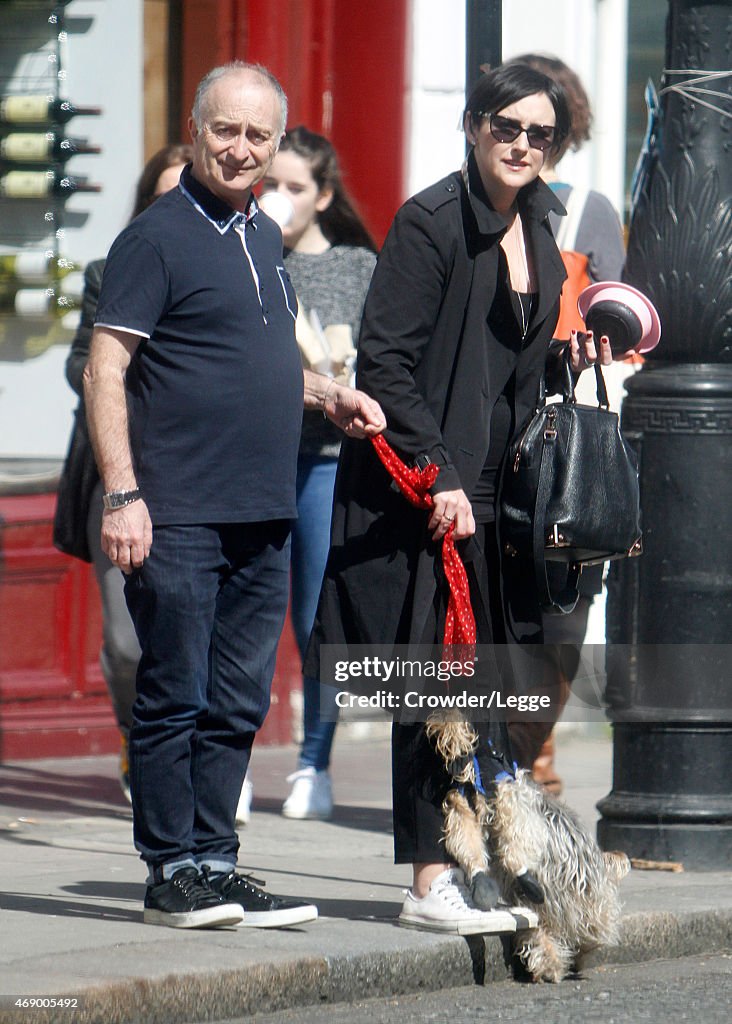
[535, 202]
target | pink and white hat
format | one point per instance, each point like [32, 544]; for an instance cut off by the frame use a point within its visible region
[621, 312]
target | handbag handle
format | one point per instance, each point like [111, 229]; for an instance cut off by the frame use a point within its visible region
[569, 382]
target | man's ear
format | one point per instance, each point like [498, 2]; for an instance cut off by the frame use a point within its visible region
[192, 129]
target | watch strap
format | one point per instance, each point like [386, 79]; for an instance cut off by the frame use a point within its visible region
[119, 499]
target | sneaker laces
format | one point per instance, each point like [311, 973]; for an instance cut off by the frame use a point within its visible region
[195, 885]
[250, 879]
[455, 893]
[234, 879]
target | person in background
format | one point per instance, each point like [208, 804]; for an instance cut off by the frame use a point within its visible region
[596, 232]
[194, 393]
[120, 650]
[330, 257]
[599, 233]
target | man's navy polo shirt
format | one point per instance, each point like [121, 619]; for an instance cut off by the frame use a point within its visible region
[215, 387]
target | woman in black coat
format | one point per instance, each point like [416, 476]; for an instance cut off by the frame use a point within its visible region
[456, 336]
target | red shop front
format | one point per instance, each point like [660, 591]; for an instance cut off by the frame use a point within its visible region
[53, 700]
[343, 66]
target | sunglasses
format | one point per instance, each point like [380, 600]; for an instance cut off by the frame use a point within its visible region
[506, 129]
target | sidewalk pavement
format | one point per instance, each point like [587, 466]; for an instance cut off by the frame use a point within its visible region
[72, 885]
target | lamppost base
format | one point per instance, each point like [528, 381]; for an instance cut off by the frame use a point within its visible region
[672, 794]
[697, 847]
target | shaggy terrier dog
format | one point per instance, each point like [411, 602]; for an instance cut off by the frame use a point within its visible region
[528, 845]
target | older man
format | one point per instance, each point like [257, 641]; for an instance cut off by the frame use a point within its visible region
[194, 393]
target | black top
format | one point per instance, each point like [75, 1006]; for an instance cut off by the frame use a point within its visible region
[79, 351]
[215, 388]
[509, 319]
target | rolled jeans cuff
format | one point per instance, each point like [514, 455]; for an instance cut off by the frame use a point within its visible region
[216, 865]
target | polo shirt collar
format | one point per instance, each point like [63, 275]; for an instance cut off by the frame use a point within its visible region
[215, 210]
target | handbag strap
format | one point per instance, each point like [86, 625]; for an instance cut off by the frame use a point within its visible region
[568, 384]
[567, 598]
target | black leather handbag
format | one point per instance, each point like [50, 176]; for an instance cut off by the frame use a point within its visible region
[570, 492]
[76, 486]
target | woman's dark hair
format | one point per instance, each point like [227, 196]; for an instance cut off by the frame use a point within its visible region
[340, 221]
[168, 156]
[511, 82]
[580, 112]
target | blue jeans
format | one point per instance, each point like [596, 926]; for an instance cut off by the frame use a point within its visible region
[208, 606]
[310, 546]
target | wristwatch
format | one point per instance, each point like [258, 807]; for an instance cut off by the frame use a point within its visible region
[118, 499]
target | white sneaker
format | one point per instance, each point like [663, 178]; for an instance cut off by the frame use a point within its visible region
[448, 907]
[311, 796]
[244, 807]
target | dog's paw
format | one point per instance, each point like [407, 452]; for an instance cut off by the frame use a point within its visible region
[530, 887]
[484, 891]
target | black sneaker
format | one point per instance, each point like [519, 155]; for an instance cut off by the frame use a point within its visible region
[188, 901]
[261, 910]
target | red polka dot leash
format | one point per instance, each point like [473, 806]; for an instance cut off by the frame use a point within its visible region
[414, 484]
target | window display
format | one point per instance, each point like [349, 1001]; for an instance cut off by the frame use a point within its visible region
[38, 291]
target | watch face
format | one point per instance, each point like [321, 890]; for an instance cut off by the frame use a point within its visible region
[118, 499]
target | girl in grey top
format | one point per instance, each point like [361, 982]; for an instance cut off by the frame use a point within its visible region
[330, 256]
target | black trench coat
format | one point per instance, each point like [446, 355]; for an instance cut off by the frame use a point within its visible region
[437, 382]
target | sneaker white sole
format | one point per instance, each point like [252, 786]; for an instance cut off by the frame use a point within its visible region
[278, 918]
[500, 924]
[227, 914]
[525, 917]
[297, 815]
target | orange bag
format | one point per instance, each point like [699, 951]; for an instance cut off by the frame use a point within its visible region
[576, 264]
[578, 278]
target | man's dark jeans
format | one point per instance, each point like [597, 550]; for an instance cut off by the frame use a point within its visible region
[208, 605]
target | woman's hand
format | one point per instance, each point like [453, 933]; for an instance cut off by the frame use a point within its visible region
[451, 507]
[583, 351]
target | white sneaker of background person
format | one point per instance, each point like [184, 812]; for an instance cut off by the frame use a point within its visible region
[448, 907]
[311, 796]
[244, 807]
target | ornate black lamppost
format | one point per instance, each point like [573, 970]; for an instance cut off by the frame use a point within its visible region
[483, 27]
[670, 611]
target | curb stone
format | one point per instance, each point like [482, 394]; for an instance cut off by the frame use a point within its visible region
[309, 981]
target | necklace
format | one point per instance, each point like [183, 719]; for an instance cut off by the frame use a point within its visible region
[525, 312]
[523, 293]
